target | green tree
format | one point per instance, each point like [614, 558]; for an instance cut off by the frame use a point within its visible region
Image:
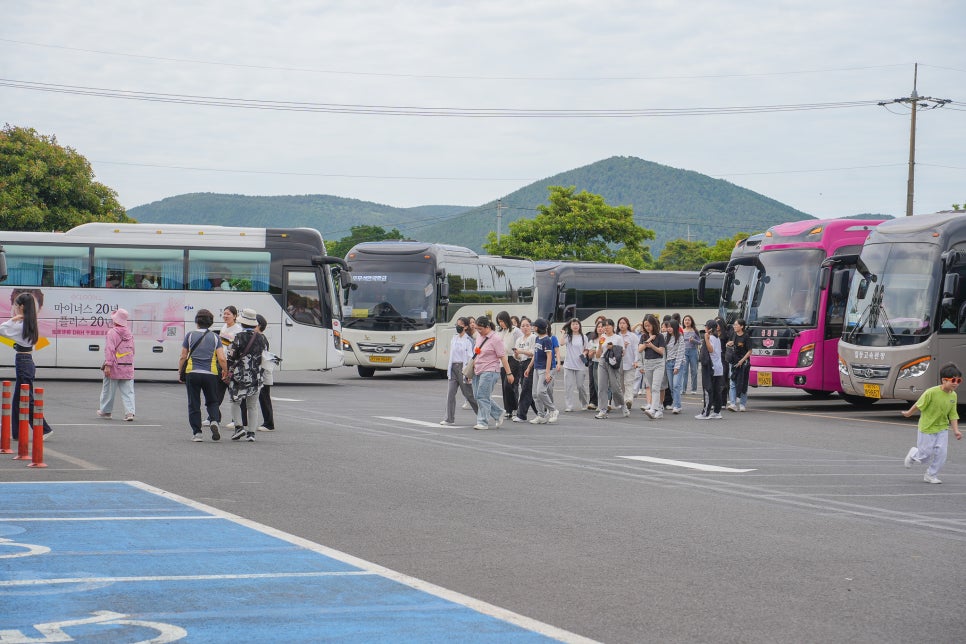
[45, 186]
[721, 251]
[683, 255]
[577, 226]
[357, 235]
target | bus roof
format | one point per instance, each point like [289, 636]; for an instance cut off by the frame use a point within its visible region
[439, 251]
[818, 233]
[106, 233]
[932, 227]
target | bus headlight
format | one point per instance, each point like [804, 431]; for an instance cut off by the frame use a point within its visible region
[843, 367]
[345, 345]
[423, 345]
[914, 369]
[807, 355]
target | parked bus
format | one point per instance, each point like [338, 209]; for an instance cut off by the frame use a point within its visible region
[740, 277]
[797, 311]
[586, 290]
[906, 310]
[162, 274]
[406, 296]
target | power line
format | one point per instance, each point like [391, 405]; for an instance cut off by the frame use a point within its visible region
[406, 110]
[195, 61]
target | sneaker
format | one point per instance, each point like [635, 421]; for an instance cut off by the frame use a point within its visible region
[129, 417]
[591, 407]
[103, 414]
[444, 423]
[742, 408]
[538, 420]
[628, 403]
[262, 428]
[676, 410]
[206, 422]
[702, 416]
[215, 436]
[668, 407]
[625, 412]
[196, 437]
[238, 432]
[499, 421]
[658, 415]
[731, 407]
[517, 419]
[930, 479]
[250, 437]
[230, 425]
[466, 405]
[553, 416]
[600, 415]
[568, 410]
[47, 435]
[715, 415]
[911, 457]
[479, 426]
[694, 392]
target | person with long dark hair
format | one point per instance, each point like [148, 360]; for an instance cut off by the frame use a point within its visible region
[23, 328]
[674, 363]
[508, 334]
[740, 367]
[712, 378]
[575, 346]
[692, 340]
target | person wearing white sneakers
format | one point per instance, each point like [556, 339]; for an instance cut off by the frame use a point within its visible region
[490, 356]
[460, 352]
[652, 349]
[712, 372]
[610, 353]
[741, 367]
[543, 365]
[937, 407]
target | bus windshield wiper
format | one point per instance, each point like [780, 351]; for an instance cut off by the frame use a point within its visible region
[770, 320]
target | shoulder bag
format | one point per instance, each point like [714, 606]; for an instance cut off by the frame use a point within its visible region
[184, 365]
[469, 369]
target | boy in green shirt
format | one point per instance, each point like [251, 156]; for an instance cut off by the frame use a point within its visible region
[938, 413]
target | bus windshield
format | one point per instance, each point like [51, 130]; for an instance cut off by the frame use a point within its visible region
[391, 294]
[787, 293]
[741, 287]
[893, 302]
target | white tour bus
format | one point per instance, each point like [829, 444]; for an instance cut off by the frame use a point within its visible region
[906, 310]
[586, 290]
[162, 274]
[406, 296]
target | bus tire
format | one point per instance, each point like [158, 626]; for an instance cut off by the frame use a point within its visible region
[366, 372]
[859, 401]
[818, 393]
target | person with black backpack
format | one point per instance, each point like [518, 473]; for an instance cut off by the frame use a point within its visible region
[610, 352]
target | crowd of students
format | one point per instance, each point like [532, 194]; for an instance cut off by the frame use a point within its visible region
[603, 370]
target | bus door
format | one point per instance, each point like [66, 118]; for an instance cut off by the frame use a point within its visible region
[303, 318]
[836, 281]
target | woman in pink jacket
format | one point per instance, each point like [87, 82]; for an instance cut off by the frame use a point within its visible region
[118, 367]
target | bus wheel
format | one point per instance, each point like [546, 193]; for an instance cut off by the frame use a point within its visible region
[818, 393]
[859, 401]
[366, 372]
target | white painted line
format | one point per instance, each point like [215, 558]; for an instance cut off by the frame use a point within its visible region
[692, 466]
[114, 580]
[421, 423]
[367, 566]
[287, 399]
[203, 517]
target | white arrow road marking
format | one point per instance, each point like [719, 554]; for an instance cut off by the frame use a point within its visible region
[692, 466]
[422, 423]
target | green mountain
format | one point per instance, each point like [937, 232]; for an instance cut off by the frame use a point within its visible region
[673, 203]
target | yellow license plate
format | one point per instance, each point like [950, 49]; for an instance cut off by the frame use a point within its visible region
[764, 378]
[872, 391]
[380, 358]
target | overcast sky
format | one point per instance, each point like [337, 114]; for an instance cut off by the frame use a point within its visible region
[532, 56]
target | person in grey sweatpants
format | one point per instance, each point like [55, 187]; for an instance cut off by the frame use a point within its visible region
[543, 365]
[609, 377]
[460, 352]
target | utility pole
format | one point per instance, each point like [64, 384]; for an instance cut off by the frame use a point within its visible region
[921, 102]
[499, 218]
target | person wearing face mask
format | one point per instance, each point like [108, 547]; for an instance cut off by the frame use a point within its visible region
[460, 352]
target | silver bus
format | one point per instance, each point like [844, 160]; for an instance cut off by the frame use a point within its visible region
[406, 296]
[906, 309]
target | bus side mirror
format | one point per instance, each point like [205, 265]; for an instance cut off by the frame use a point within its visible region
[840, 282]
[823, 278]
[444, 293]
[3, 265]
[862, 289]
[950, 284]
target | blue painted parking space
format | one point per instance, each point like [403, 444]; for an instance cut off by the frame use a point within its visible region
[123, 562]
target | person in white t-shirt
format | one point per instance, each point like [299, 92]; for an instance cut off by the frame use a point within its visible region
[609, 373]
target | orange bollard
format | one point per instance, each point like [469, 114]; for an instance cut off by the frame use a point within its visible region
[6, 412]
[23, 431]
[38, 452]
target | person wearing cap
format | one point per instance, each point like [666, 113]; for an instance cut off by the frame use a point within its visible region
[543, 365]
[118, 367]
[244, 376]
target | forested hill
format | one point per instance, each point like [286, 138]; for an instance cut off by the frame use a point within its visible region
[674, 203]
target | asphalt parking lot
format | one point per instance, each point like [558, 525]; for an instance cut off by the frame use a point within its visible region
[795, 521]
